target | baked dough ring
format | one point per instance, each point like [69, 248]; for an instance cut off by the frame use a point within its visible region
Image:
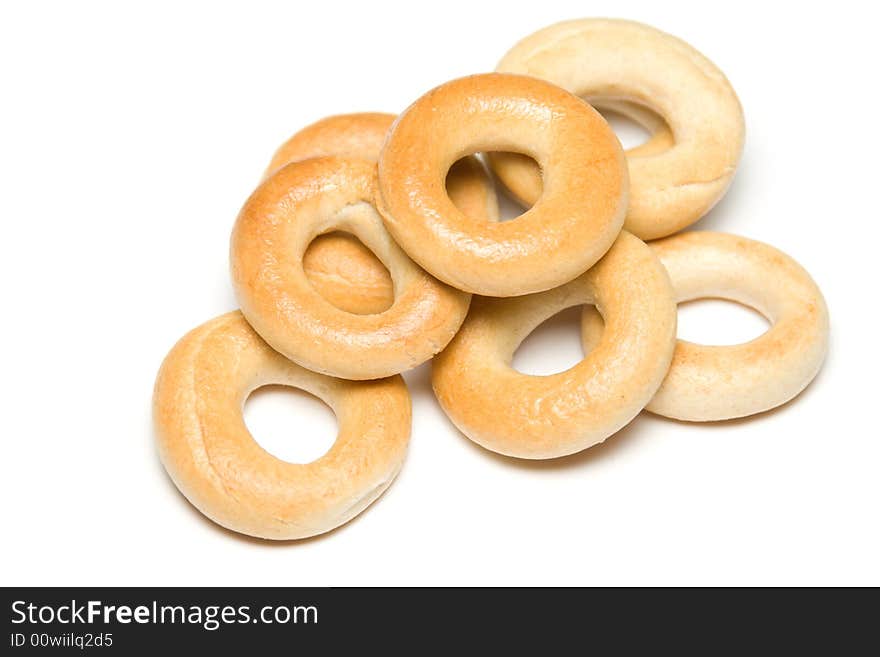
[566, 231]
[539, 417]
[624, 60]
[273, 230]
[707, 383]
[340, 268]
[353, 136]
[214, 461]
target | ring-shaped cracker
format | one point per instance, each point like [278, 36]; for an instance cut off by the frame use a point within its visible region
[620, 60]
[539, 417]
[572, 225]
[714, 382]
[277, 223]
[211, 456]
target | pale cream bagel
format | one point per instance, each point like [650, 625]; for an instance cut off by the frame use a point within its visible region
[708, 383]
[539, 417]
[214, 461]
[340, 268]
[568, 229]
[622, 60]
[274, 228]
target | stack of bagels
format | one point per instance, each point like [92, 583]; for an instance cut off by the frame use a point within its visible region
[374, 244]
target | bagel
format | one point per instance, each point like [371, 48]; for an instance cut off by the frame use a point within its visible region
[339, 267]
[540, 417]
[213, 459]
[270, 236]
[566, 231]
[613, 60]
[356, 136]
[707, 383]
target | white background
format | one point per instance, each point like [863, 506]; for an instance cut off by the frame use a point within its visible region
[129, 138]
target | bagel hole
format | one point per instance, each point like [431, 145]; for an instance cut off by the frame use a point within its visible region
[508, 207]
[466, 195]
[289, 423]
[719, 322]
[347, 274]
[631, 133]
[634, 133]
[553, 347]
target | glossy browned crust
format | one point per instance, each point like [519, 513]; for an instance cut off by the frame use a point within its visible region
[541, 417]
[277, 223]
[571, 227]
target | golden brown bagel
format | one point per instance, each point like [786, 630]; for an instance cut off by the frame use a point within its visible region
[340, 268]
[624, 60]
[353, 136]
[539, 417]
[215, 462]
[707, 383]
[567, 231]
[277, 223]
